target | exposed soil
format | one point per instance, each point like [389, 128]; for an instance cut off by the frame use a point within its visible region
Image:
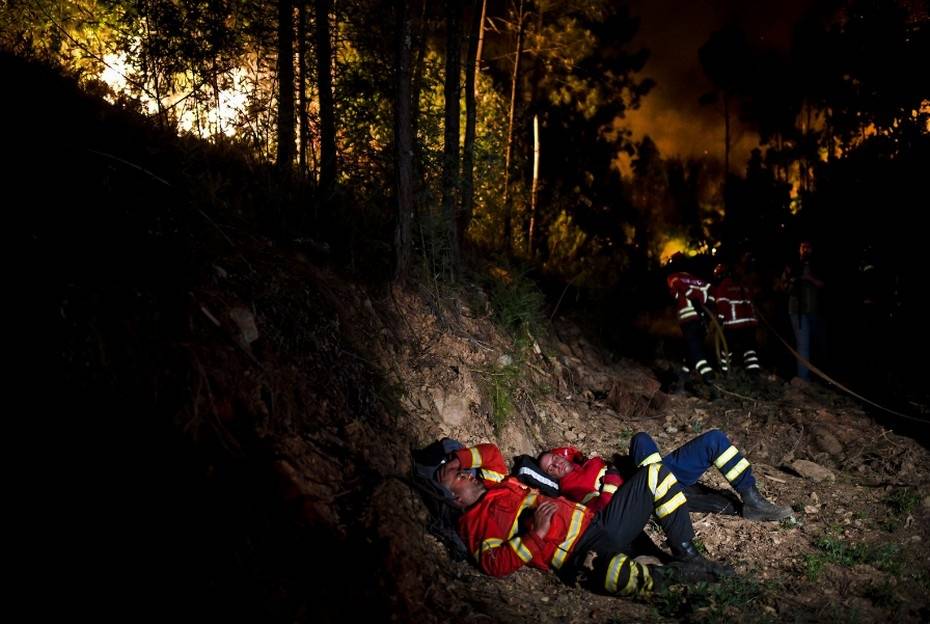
[262, 408]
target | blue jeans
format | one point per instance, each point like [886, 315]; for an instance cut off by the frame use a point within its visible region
[805, 328]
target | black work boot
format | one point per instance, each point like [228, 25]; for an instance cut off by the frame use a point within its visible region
[755, 507]
[690, 566]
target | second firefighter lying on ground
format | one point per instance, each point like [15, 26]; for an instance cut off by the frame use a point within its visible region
[507, 525]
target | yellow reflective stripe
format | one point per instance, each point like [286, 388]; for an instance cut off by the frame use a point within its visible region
[574, 530]
[613, 573]
[475, 457]
[652, 459]
[600, 475]
[631, 583]
[647, 581]
[674, 503]
[609, 488]
[486, 545]
[653, 477]
[588, 497]
[664, 487]
[738, 469]
[726, 456]
[490, 475]
[529, 501]
[521, 550]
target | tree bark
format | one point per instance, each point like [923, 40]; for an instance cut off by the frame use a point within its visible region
[303, 122]
[514, 87]
[450, 166]
[327, 105]
[403, 142]
[535, 189]
[471, 91]
[285, 84]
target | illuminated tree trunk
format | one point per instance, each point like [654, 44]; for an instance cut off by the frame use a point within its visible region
[285, 84]
[327, 104]
[726, 146]
[302, 86]
[515, 82]
[450, 168]
[403, 142]
[471, 90]
[535, 189]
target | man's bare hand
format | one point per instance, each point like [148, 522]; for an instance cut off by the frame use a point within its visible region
[449, 471]
[542, 519]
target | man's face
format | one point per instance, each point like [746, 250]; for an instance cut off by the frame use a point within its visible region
[555, 466]
[805, 250]
[465, 488]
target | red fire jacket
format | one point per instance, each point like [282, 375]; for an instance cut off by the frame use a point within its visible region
[690, 292]
[498, 529]
[733, 305]
[592, 483]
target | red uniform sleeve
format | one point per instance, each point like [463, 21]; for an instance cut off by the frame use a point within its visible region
[487, 457]
[510, 555]
[610, 483]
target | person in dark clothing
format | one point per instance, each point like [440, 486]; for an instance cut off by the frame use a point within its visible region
[805, 293]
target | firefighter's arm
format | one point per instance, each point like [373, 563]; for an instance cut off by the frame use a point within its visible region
[499, 557]
[610, 481]
[487, 457]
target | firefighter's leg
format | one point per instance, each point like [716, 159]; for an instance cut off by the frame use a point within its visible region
[644, 450]
[693, 332]
[711, 448]
[612, 569]
[692, 459]
[744, 343]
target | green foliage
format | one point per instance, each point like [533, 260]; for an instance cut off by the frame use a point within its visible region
[882, 594]
[517, 305]
[502, 382]
[734, 597]
[902, 501]
[833, 549]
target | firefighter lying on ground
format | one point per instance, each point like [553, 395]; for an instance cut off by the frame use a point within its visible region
[507, 525]
[594, 481]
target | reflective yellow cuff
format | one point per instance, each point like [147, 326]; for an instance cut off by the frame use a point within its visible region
[490, 475]
[652, 459]
[613, 573]
[664, 487]
[726, 456]
[522, 551]
[737, 470]
[674, 503]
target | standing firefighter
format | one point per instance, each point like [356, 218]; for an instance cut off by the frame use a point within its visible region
[738, 319]
[692, 296]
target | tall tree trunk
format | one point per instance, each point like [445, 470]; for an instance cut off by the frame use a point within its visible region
[468, 154]
[403, 141]
[515, 82]
[327, 104]
[419, 68]
[303, 122]
[480, 50]
[450, 160]
[535, 189]
[285, 84]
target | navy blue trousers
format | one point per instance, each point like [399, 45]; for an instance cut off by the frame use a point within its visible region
[692, 459]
